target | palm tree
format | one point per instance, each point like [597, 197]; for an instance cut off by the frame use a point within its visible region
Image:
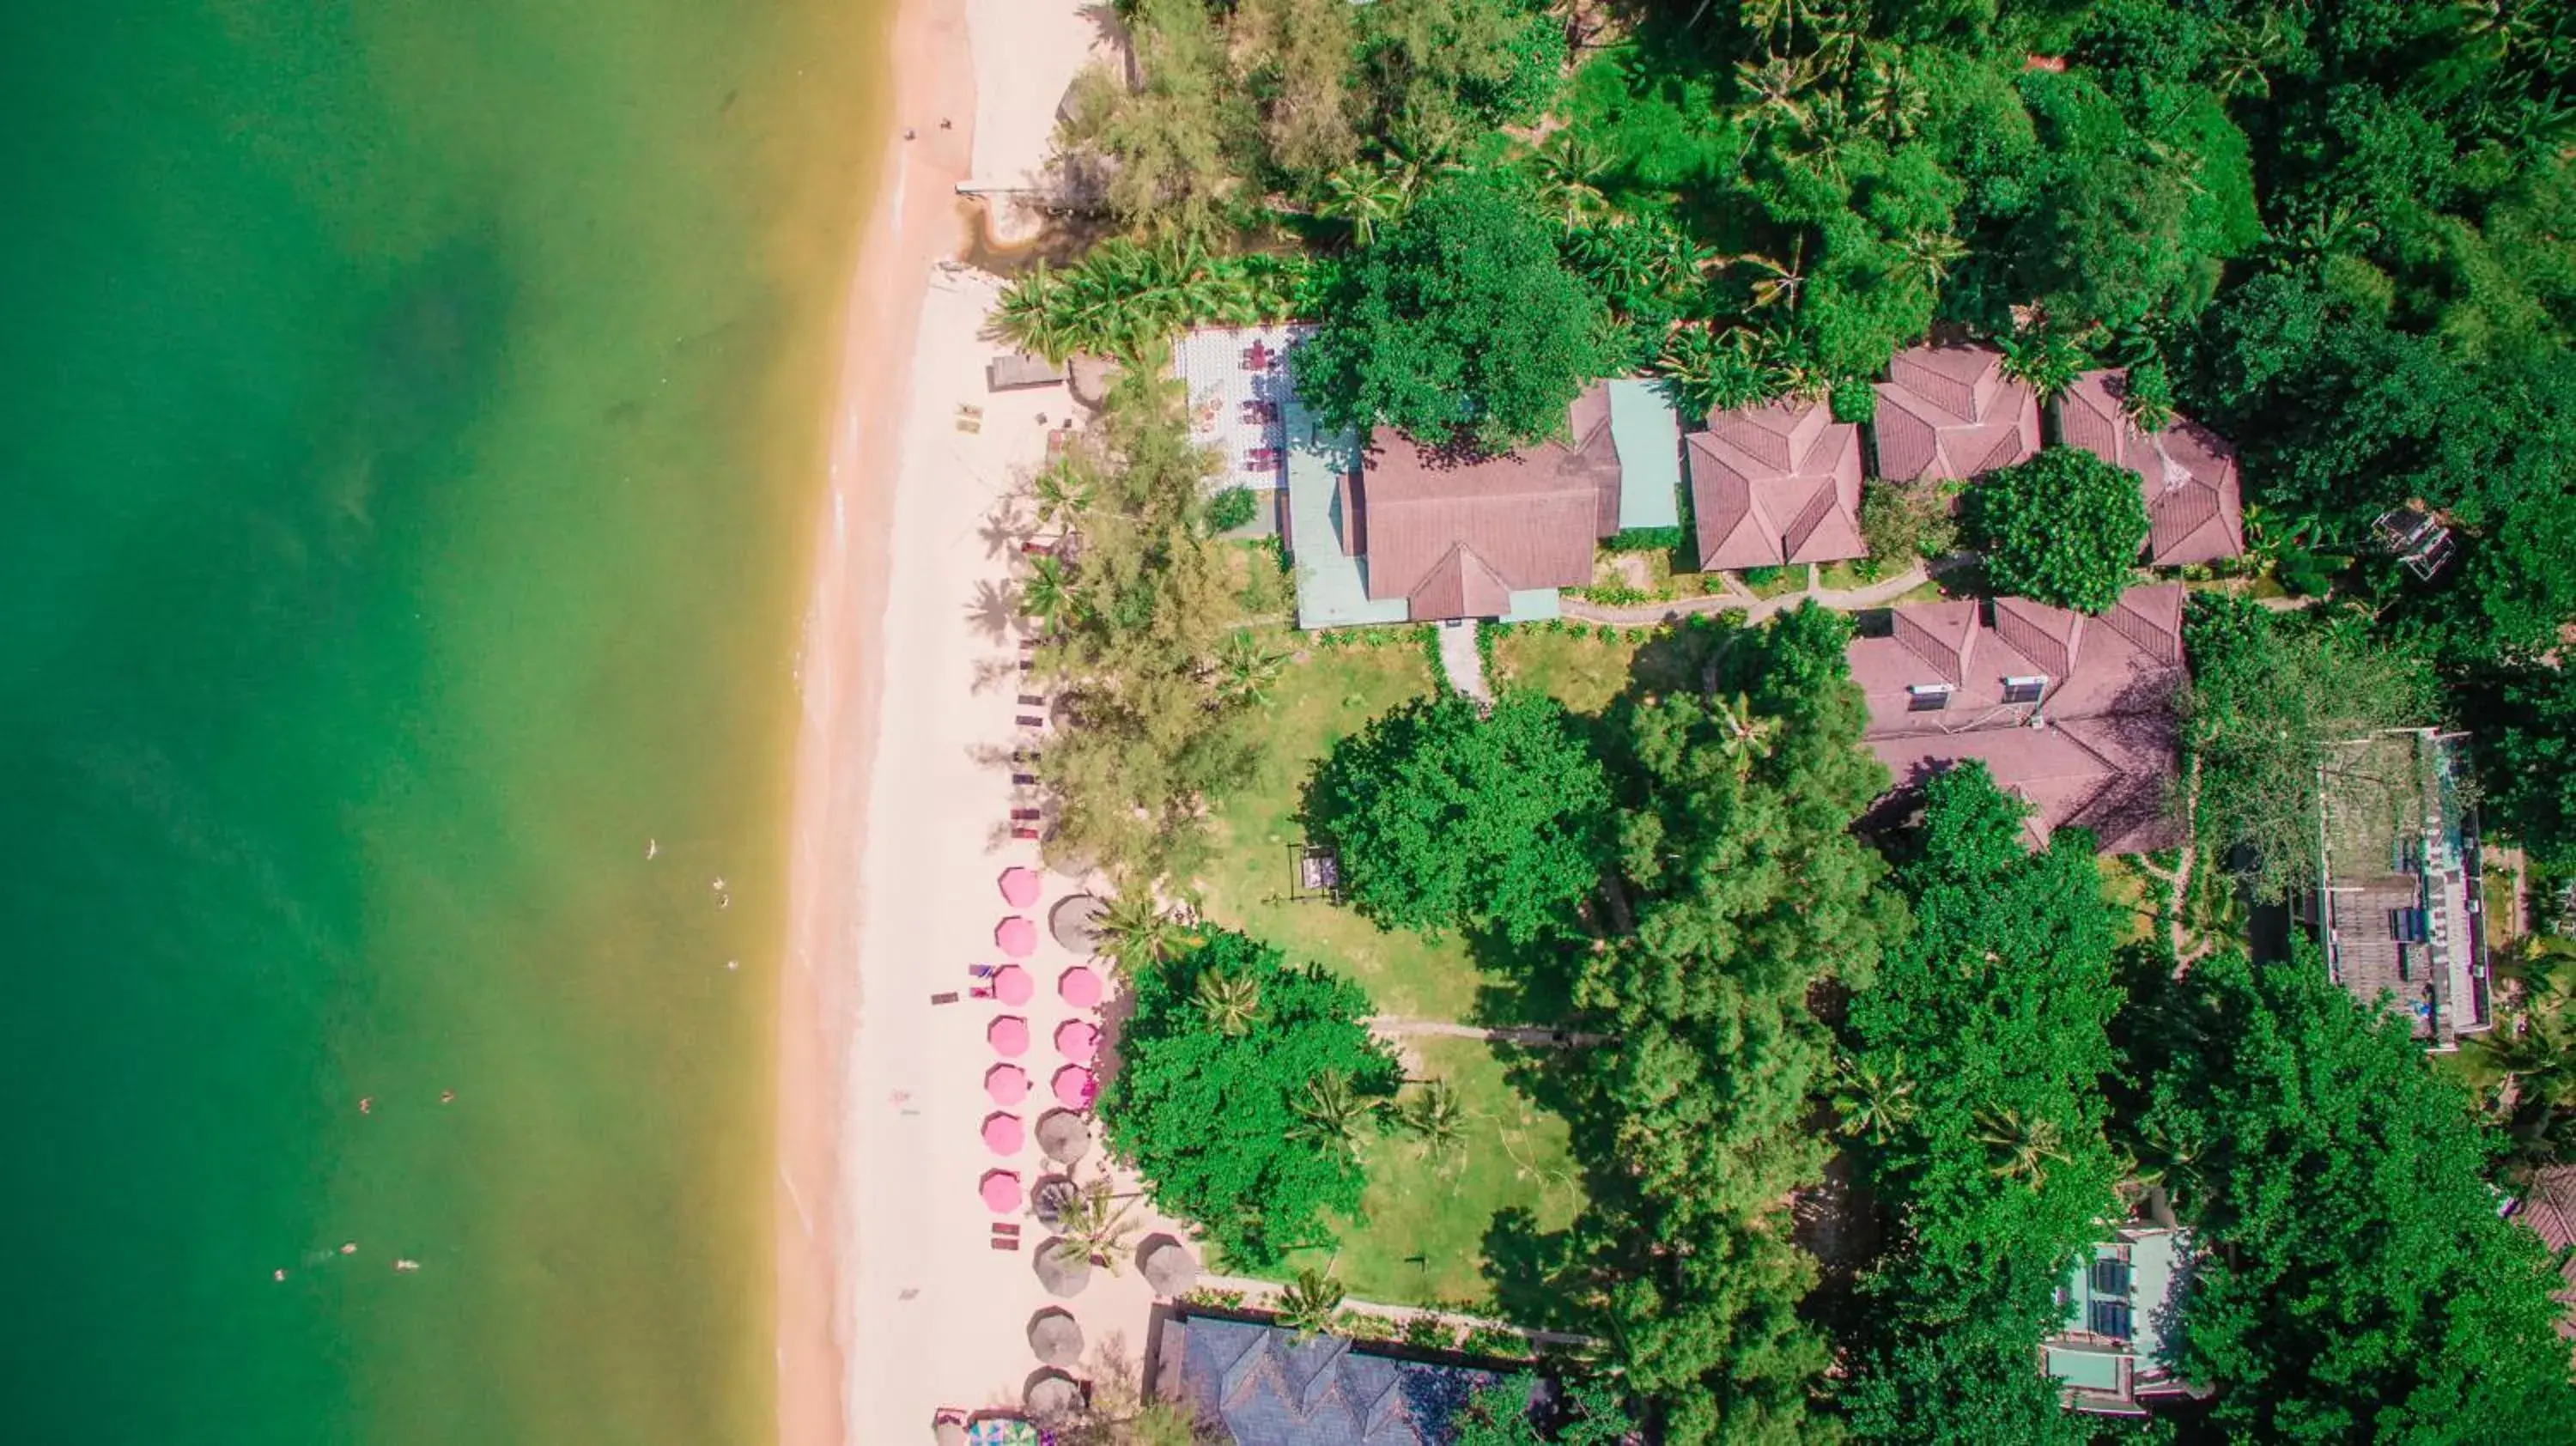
[2020, 1149]
[1333, 1113]
[1874, 1103]
[1306, 1304]
[1743, 736]
[1569, 175]
[1060, 497]
[1930, 254]
[1099, 1223]
[1713, 372]
[1774, 281]
[1230, 1003]
[1433, 1115]
[1031, 314]
[1892, 102]
[2047, 361]
[1362, 198]
[1136, 933]
[1774, 92]
[1246, 670]
[1048, 597]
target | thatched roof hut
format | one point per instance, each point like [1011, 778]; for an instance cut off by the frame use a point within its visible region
[1064, 1135]
[1054, 1396]
[1167, 1265]
[1055, 1336]
[1062, 1267]
[1075, 922]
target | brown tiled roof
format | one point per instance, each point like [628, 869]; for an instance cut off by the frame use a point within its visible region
[1950, 413]
[2195, 505]
[2101, 756]
[1453, 530]
[1775, 484]
[2549, 1209]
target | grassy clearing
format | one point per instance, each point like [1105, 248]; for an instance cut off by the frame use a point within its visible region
[1428, 1212]
[1774, 581]
[1583, 673]
[2125, 887]
[1846, 576]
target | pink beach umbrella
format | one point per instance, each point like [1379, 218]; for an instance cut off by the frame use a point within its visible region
[1001, 1191]
[1016, 936]
[1019, 886]
[1012, 985]
[1080, 987]
[1008, 1084]
[1009, 1035]
[1075, 1087]
[1003, 1134]
[1077, 1040]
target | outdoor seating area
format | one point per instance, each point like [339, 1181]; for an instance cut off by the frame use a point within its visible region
[1074, 1035]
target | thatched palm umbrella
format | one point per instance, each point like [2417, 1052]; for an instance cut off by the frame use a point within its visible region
[1062, 1267]
[948, 1431]
[1064, 1135]
[1167, 1265]
[1075, 922]
[1053, 1396]
[1051, 1197]
[1055, 1336]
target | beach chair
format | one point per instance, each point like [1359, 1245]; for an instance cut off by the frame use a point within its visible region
[1024, 833]
[950, 997]
[1032, 720]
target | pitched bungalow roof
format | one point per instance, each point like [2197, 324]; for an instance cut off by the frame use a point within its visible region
[1776, 484]
[1456, 531]
[2094, 749]
[1265, 1386]
[1949, 413]
[2195, 507]
[2548, 1208]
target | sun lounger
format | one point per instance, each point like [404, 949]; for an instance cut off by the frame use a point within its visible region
[948, 998]
[1026, 833]
[1032, 700]
[1025, 780]
[1031, 720]
[1000, 1244]
[1025, 815]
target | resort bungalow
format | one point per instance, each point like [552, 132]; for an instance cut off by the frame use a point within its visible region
[2072, 713]
[2195, 509]
[2119, 1303]
[2397, 903]
[1948, 413]
[2548, 1209]
[1774, 485]
[1419, 532]
[1264, 1385]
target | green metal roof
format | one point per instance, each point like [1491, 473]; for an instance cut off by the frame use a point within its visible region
[1648, 434]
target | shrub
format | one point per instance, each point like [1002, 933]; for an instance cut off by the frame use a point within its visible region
[1232, 508]
[1645, 539]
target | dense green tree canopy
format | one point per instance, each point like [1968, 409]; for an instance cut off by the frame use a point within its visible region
[2064, 527]
[1975, 1087]
[2361, 1285]
[1747, 889]
[1211, 1110]
[1448, 817]
[2270, 694]
[2527, 760]
[1460, 317]
[1583, 1413]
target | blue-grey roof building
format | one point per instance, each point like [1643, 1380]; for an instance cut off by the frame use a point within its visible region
[1263, 1385]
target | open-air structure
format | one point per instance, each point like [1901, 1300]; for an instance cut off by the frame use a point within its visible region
[2072, 713]
[1264, 1385]
[2397, 904]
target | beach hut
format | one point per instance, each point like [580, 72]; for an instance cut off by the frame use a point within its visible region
[1016, 936]
[1008, 1034]
[1001, 1191]
[1012, 985]
[1051, 1198]
[1064, 1136]
[1075, 923]
[1054, 1396]
[948, 1431]
[1075, 1087]
[1077, 1040]
[1055, 1336]
[1008, 1084]
[1004, 1134]
[1167, 1265]
[1062, 1267]
[1019, 370]
[1019, 885]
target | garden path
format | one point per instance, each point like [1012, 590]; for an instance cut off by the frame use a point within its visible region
[1536, 1036]
[1755, 609]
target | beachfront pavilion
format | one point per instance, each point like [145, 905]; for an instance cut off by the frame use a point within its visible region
[1260, 1384]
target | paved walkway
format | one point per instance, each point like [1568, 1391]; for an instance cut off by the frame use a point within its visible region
[1464, 665]
[1755, 609]
[1258, 1294]
[1536, 1036]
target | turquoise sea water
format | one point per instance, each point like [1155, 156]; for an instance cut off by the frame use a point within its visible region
[409, 420]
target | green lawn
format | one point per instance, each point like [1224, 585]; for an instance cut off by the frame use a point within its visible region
[1846, 576]
[2124, 888]
[1428, 1211]
[1782, 580]
[1583, 673]
[1426, 1216]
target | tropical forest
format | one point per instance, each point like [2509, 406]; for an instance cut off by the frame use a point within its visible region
[1625, 1018]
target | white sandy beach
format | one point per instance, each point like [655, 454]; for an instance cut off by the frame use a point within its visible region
[892, 1302]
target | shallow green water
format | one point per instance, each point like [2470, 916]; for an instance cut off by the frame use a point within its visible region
[409, 414]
